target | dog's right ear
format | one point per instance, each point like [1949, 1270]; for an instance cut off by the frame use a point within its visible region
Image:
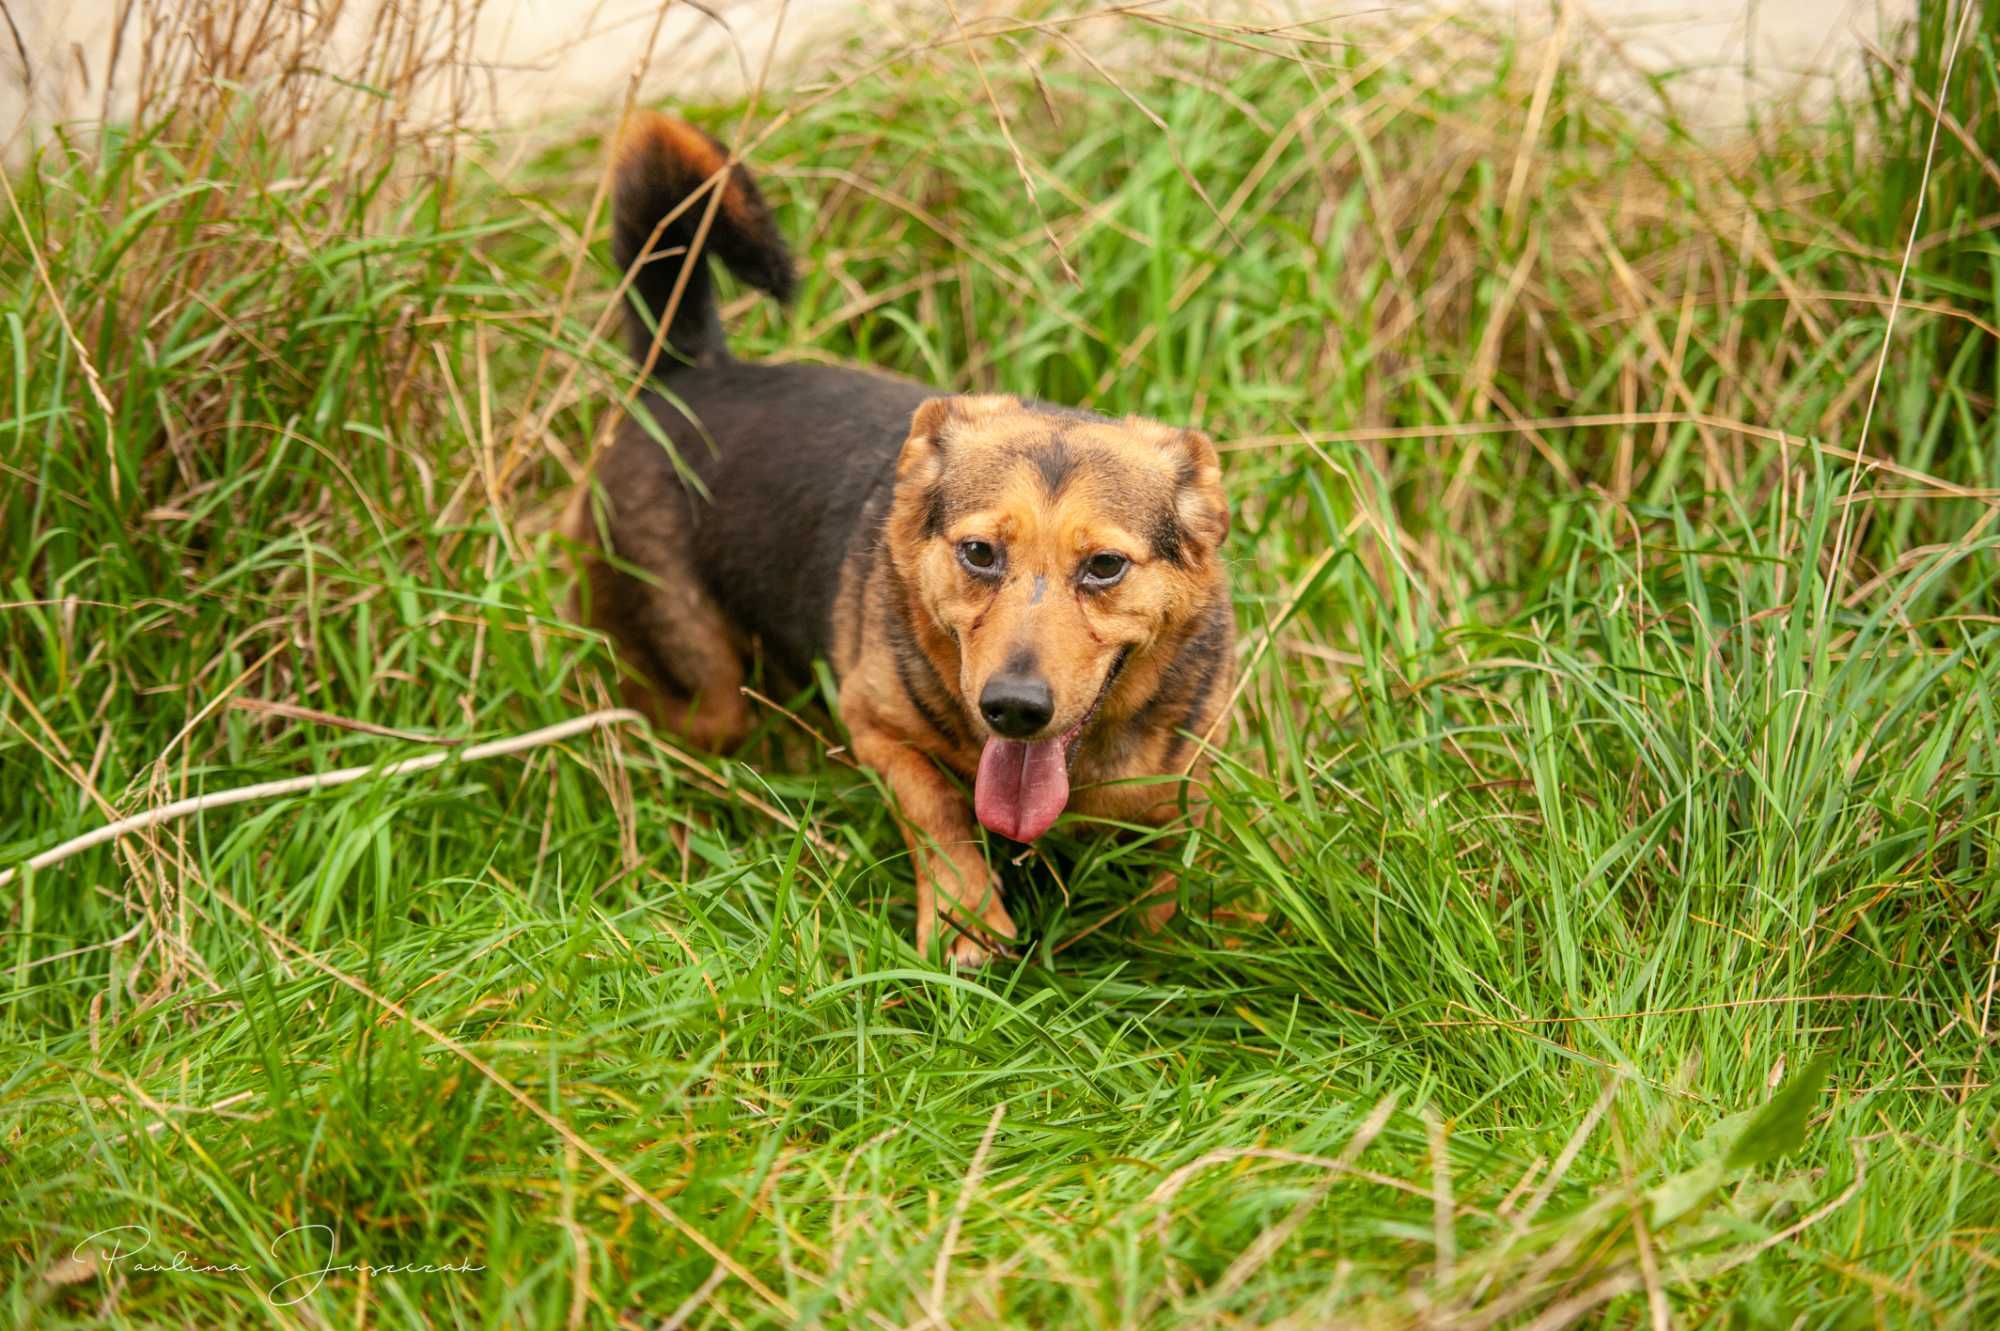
[936, 423]
[918, 510]
[922, 458]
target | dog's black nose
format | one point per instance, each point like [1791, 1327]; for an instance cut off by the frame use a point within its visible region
[1016, 706]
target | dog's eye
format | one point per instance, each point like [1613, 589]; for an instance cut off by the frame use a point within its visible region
[1104, 569]
[979, 556]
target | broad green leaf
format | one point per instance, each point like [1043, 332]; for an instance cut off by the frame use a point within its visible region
[1779, 1128]
[1742, 1141]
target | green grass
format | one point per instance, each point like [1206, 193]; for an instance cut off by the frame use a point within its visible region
[1611, 747]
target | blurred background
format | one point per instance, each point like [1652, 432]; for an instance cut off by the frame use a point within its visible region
[529, 59]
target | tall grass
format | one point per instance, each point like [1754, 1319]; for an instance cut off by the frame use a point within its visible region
[1618, 735]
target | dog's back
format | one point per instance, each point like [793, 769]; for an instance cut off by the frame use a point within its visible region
[790, 457]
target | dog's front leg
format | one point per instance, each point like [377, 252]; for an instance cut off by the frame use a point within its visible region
[953, 879]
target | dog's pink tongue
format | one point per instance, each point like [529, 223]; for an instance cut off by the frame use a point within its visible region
[1021, 787]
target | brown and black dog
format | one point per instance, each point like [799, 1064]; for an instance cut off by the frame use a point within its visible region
[1023, 597]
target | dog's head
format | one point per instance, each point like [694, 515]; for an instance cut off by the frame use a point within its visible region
[1053, 547]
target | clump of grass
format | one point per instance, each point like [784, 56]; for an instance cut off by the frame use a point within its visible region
[1611, 751]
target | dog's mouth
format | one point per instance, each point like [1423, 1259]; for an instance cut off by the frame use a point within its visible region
[1022, 786]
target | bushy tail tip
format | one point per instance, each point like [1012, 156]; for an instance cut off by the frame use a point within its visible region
[661, 198]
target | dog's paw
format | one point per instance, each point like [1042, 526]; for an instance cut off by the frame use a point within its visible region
[973, 947]
[964, 952]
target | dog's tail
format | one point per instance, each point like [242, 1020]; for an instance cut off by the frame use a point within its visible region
[667, 213]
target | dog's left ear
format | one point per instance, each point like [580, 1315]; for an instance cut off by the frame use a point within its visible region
[1199, 501]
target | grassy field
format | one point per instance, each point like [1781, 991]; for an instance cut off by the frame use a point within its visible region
[1615, 548]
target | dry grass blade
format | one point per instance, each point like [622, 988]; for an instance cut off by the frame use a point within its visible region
[1840, 541]
[266, 791]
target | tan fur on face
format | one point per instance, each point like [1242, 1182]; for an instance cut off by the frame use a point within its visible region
[1050, 491]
